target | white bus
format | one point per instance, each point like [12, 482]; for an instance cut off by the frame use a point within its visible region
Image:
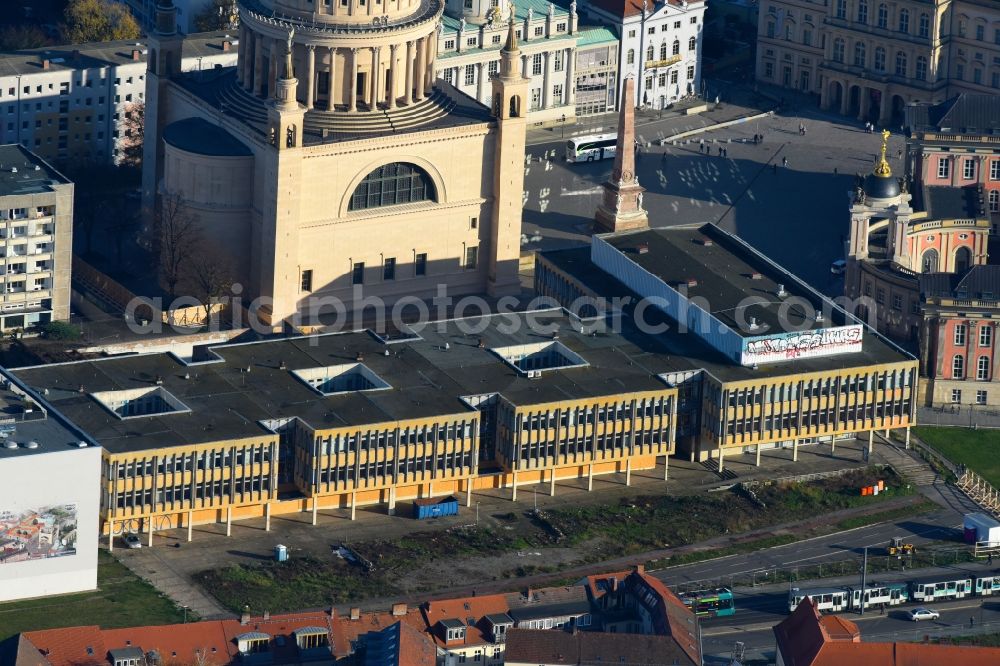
[591, 148]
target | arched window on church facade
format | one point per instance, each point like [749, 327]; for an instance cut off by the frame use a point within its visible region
[393, 184]
[963, 259]
[929, 262]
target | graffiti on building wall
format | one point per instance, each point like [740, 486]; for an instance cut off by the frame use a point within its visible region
[801, 344]
[37, 533]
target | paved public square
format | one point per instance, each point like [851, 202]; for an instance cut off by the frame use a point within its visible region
[797, 215]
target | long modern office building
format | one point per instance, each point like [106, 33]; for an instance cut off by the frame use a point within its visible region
[494, 401]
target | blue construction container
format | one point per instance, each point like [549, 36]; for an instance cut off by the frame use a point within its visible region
[435, 507]
[281, 553]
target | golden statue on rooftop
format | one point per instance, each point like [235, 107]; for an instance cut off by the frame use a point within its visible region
[882, 167]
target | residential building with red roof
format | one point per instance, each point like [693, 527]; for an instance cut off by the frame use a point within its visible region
[806, 638]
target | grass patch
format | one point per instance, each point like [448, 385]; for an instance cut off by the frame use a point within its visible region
[978, 450]
[121, 600]
[885, 516]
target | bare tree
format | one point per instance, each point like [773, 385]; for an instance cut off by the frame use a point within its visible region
[177, 234]
[131, 133]
[212, 277]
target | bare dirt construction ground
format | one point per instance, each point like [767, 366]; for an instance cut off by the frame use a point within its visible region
[524, 542]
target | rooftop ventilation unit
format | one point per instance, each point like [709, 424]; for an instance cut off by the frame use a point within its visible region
[753, 324]
[334, 379]
[781, 291]
[756, 276]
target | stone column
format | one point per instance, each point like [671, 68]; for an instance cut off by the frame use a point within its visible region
[258, 65]
[883, 108]
[479, 81]
[421, 72]
[310, 75]
[244, 56]
[332, 84]
[524, 66]
[546, 88]
[570, 80]
[431, 54]
[408, 98]
[272, 67]
[374, 83]
[845, 98]
[864, 103]
[391, 73]
[352, 92]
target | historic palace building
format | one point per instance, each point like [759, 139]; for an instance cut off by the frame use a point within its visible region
[896, 236]
[331, 164]
[870, 58]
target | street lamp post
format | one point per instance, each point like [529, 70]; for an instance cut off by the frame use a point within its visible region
[562, 122]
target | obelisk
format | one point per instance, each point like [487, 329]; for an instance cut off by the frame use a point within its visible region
[621, 209]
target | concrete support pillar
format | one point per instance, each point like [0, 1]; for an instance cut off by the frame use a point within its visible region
[391, 73]
[111, 536]
[408, 97]
[513, 484]
[833, 445]
[352, 92]
[871, 443]
[149, 530]
[267, 517]
[666, 467]
[468, 492]
[795, 450]
[315, 508]
[333, 79]
[229, 521]
[190, 522]
[907, 438]
[552, 483]
[757, 454]
[354, 504]
[430, 489]
[590, 477]
[721, 460]
[310, 76]
[628, 472]
[392, 500]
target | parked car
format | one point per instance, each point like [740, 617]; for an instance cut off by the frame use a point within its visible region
[838, 267]
[918, 614]
[133, 541]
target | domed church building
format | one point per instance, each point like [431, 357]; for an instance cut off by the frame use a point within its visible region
[330, 164]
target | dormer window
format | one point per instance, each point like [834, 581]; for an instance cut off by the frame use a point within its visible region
[253, 642]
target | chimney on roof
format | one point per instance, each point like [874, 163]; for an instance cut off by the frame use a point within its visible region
[355, 613]
[691, 282]
[639, 568]
[642, 248]
[136, 54]
[227, 46]
[398, 610]
[529, 593]
[45, 63]
[360, 357]
[707, 242]
[267, 615]
[756, 275]
[245, 615]
[614, 584]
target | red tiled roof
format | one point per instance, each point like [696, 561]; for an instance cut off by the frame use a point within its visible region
[462, 609]
[69, 646]
[416, 648]
[345, 631]
[807, 639]
[623, 8]
[678, 618]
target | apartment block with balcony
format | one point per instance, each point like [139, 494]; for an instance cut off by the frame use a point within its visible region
[36, 240]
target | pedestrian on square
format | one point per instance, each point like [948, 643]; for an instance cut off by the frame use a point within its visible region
[720, 151]
[774, 167]
[834, 171]
[784, 161]
[725, 153]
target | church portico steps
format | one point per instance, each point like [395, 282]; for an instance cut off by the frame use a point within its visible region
[249, 108]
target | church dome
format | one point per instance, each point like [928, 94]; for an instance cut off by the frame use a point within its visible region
[880, 183]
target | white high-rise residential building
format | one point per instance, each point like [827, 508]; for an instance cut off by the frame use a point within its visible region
[69, 102]
[661, 44]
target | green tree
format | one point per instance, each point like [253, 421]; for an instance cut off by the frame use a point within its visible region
[98, 21]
